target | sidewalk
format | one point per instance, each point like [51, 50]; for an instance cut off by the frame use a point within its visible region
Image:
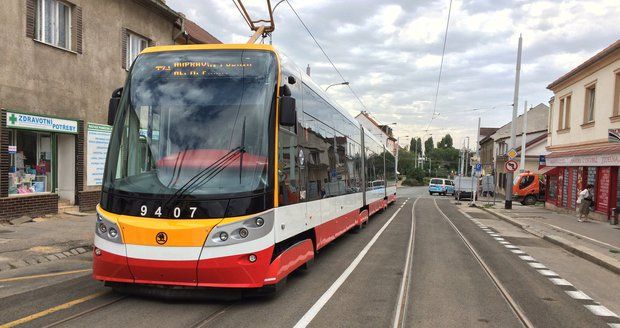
[46, 239]
[598, 242]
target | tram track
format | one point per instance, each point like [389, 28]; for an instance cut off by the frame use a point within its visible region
[208, 319]
[514, 306]
[87, 311]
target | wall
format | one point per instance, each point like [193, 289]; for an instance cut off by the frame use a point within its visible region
[40, 79]
[603, 73]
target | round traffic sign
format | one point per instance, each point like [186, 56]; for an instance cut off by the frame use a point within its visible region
[511, 166]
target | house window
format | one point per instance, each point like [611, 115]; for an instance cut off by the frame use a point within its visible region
[135, 45]
[564, 113]
[54, 23]
[617, 96]
[589, 106]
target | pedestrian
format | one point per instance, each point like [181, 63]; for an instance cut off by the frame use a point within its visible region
[584, 200]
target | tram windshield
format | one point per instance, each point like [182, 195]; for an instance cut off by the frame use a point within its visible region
[194, 123]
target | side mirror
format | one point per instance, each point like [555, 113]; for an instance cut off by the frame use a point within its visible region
[288, 114]
[113, 105]
[285, 91]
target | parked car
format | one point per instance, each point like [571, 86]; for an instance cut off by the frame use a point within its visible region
[441, 186]
[463, 187]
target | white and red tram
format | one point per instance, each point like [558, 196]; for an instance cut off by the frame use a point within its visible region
[229, 167]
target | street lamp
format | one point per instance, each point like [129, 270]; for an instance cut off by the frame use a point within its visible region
[331, 85]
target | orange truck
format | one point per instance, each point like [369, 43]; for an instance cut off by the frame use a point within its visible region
[528, 188]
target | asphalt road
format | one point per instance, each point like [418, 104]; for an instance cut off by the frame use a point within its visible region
[411, 266]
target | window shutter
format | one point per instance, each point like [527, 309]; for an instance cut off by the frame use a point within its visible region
[31, 9]
[124, 38]
[77, 17]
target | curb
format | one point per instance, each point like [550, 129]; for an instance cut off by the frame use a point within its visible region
[45, 258]
[583, 252]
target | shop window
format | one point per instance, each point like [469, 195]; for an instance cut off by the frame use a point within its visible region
[54, 23]
[30, 168]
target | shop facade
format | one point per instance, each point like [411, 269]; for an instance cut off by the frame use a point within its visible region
[571, 172]
[39, 163]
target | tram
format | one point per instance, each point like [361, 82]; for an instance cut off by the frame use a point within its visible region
[229, 167]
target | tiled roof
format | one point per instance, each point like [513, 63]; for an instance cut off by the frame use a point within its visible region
[197, 34]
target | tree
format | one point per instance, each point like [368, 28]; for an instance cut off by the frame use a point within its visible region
[412, 145]
[418, 145]
[446, 142]
[429, 145]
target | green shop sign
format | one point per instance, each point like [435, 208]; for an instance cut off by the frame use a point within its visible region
[41, 123]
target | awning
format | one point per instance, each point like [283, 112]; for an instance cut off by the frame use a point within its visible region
[548, 170]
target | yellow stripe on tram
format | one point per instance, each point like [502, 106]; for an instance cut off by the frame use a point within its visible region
[51, 310]
[44, 275]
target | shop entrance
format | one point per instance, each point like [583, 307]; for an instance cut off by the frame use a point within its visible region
[66, 167]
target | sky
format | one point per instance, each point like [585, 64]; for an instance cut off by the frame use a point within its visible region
[390, 53]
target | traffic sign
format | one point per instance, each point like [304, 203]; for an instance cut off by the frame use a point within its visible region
[512, 153]
[478, 167]
[511, 166]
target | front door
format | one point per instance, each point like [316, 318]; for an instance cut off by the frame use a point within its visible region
[66, 167]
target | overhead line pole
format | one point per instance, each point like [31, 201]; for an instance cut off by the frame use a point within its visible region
[515, 108]
[523, 137]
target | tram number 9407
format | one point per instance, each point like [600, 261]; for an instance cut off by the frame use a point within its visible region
[176, 212]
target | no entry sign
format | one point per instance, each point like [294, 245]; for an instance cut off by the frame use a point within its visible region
[511, 166]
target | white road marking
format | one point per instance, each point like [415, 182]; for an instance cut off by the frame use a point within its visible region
[511, 246]
[527, 258]
[537, 265]
[517, 251]
[577, 294]
[614, 325]
[560, 282]
[495, 235]
[404, 284]
[504, 242]
[547, 273]
[498, 238]
[600, 310]
[314, 310]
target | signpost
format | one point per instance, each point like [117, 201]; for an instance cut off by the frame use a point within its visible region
[511, 165]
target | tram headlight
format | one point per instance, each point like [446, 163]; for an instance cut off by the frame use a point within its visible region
[242, 231]
[107, 229]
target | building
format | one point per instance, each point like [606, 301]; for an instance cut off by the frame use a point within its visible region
[487, 157]
[584, 122]
[60, 62]
[382, 131]
[535, 137]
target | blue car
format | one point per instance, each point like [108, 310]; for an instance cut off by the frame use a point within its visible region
[441, 186]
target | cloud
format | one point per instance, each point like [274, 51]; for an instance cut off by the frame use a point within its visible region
[390, 52]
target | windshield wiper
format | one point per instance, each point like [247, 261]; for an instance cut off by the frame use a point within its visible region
[205, 175]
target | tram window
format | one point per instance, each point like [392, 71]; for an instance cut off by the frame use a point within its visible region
[288, 168]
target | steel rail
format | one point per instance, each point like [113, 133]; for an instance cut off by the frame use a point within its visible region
[204, 322]
[516, 309]
[85, 312]
[403, 295]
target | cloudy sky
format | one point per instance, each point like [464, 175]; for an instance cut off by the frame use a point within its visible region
[390, 52]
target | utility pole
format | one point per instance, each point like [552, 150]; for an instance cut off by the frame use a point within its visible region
[523, 137]
[515, 107]
[474, 186]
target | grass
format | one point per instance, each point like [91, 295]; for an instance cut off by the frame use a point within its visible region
[615, 251]
[487, 205]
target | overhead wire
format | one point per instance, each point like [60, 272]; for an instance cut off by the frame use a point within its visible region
[443, 54]
[325, 54]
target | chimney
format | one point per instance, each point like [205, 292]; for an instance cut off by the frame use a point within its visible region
[308, 70]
